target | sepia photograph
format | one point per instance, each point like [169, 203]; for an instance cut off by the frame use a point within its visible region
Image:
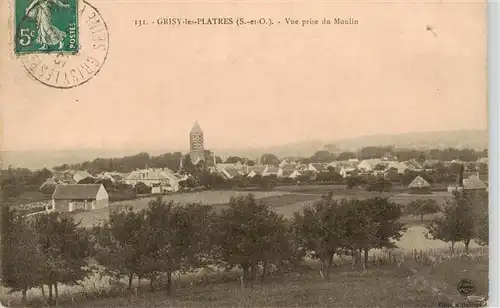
[249, 153]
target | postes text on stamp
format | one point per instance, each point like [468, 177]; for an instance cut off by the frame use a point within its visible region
[63, 70]
[45, 26]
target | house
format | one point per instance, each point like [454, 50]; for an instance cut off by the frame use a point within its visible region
[112, 176]
[430, 163]
[400, 166]
[71, 197]
[238, 166]
[413, 165]
[474, 183]
[270, 171]
[230, 173]
[317, 167]
[80, 175]
[164, 178]
[301, 167]
[288, 166]
[368, 165]
[295, 174]
[284, 162]
[419, 186]
[285, 173]
[306, 174]
[255, 170]
[344, 168]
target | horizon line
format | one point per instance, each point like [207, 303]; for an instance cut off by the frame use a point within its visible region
[156, 147]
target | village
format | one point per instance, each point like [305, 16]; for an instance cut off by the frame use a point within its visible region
[79, 189]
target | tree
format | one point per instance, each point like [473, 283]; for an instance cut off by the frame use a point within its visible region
[269, 159]
[458, 223]
[249, 233]
[359, 227]
[379, 184]
[87, 180]
[319, 230]
[178, 238]
[21, 255]
[354, 181]
[39, 177]
[385, 216]
[11, 188]
[211, 180]
[422, 207]
[330, 176]
[65, 247]
[346, 156]
[48, 188]
[233, 160]
[121, 244]
[142, 188]
[322, 156]
[375, 152]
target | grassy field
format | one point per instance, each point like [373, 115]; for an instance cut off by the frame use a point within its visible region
[284, 200]
[385, 286]
[215, 198]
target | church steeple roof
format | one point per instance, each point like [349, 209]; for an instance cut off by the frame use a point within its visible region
[196, 128]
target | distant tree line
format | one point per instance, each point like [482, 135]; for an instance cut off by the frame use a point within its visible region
[15, 181]
[172, 160]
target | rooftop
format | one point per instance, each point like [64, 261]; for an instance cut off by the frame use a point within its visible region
[76, 191]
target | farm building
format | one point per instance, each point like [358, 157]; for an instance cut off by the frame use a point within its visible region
[71, 197]
[474, 183]
[419, 186]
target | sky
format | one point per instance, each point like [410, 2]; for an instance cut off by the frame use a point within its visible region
[261, 86]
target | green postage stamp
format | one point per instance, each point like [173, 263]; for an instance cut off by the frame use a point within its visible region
[44, 26]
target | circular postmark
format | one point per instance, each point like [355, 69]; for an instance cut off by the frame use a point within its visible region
[465, 287]
[63, 70]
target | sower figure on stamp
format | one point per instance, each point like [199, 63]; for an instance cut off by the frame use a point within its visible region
[48, 34]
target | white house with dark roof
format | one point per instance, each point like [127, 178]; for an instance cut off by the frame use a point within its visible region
[164, 178]
[71, 197]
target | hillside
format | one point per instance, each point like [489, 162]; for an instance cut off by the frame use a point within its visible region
[477, 139]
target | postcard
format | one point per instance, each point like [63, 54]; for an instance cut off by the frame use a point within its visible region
[244, 153]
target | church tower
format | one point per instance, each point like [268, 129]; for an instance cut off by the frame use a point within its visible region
[196, 149]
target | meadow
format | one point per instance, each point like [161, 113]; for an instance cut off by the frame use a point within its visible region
[378, 286]
[284, 200]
